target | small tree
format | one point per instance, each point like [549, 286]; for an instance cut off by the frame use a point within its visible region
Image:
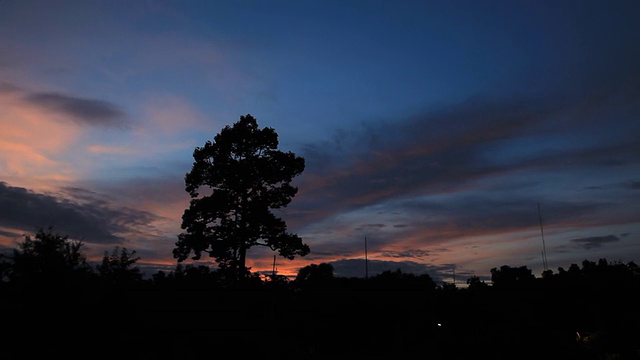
[5, 268]
[246, 177]
[475, 283]
[118, 267]
[315, 275]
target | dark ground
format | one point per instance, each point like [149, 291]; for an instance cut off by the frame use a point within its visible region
[321, 324]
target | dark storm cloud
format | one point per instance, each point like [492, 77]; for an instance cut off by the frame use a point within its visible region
[91, 220]
[595, 241]
[83, 111]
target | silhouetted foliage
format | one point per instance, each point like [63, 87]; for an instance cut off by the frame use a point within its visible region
[586, 312]
[398, 280]
[5, 267]
[195, 277]
[49, 259]
[475, 283]
[511, 277]
[315, 275]
[117, 268]
[277, 281]
[246, 177]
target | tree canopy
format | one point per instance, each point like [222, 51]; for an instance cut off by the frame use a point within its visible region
[118, 267]
[235, 182]
[48, 258]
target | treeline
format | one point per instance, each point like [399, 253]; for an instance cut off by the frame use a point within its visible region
[49, 259]
[55, 303]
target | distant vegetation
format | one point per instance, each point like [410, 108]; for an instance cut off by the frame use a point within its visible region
[55, 303]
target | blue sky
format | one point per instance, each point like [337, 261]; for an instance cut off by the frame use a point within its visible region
[432, 128]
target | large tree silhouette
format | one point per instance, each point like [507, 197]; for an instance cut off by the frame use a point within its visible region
[244, 176]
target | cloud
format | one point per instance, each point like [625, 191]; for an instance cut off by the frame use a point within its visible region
[455, 148]
[9, 88]
[358, 268]
[470, 228]
[409, 253]
[171, 115]
[462, 182]
[111, 150]
[83, 111]
[463, 215]
[592, 242]
[40, 136]
[90, 218]
[429, 153]
[31, 144]
[372, 227]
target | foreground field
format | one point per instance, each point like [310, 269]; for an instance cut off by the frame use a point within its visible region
[325, 323]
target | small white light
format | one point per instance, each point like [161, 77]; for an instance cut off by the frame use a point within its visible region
[439, 324]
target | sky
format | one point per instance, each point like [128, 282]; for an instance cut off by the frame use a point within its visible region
[454, 136]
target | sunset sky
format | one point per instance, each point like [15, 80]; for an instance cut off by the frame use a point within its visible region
[432, 128]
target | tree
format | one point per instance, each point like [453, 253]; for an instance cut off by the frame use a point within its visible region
[315, 275]
[475, 283]
[399, 280]
[118, 267]
[511, 277]
[49, 259]
[246, 176]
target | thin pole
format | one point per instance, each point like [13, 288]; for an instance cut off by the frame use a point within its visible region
[454, 275]
[366, 260]
[544, 250]
[273, 272]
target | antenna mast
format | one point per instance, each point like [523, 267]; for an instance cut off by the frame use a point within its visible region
[544, 250]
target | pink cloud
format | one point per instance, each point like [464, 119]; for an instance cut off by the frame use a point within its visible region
[33, 145]
[110, 150]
